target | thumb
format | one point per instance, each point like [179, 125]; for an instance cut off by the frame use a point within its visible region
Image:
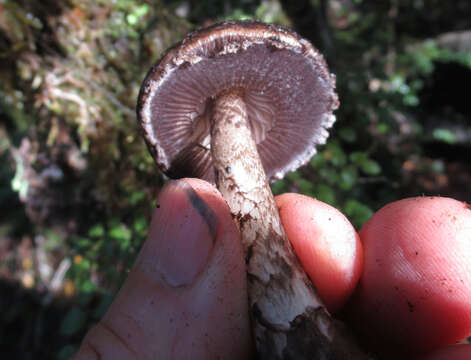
[185, 297]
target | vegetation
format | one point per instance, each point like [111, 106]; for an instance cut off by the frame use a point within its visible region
[77, 182]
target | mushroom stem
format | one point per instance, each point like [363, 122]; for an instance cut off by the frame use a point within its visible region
[288, 317]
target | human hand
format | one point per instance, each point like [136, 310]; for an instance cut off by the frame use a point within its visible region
[186, 294]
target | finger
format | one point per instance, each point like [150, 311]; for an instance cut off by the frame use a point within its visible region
[455, 352]
[326, 244]
[415, 292]
[185, 297]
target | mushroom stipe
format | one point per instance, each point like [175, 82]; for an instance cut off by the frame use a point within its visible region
[214, 107]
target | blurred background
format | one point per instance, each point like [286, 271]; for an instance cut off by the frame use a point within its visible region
[77, 184]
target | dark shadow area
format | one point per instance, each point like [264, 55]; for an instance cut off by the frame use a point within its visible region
[445, 105]
[201, 11]
[432, 17]
[310, 21]
[444, 92]
[32, 323]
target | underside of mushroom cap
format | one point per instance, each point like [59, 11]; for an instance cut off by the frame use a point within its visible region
[287, 88]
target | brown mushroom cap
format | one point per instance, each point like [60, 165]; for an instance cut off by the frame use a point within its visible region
[287, 87]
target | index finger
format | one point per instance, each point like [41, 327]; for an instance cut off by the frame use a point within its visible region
[327, 245]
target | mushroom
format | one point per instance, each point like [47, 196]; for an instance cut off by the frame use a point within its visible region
[240, 104]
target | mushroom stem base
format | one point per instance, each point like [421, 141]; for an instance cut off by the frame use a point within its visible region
[289, 319]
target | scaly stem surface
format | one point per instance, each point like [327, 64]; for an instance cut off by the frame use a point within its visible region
[289, 320]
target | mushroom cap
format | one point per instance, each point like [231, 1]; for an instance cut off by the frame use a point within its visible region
[288, 90]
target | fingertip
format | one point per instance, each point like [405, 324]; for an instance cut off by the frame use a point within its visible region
[415, 291]
[326, 244]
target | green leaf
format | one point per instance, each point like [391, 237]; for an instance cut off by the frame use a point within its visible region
[329, 175]
[411, 100]
[335, 154]
[239, 14]
[53, 240]
[82, 242]
[120, 232]
[348, 177]
[136, 197]
[88, 287]
[371, 167]
[325, 193]
[140, 225]
[83, 265]
[306, 187]
[358, 157]
[293, 176]
[138, 12]
[96, 231]
[348, 134]
[444, 135]
[73, 322]
[318, 160]
[278, 187]
[357, 212]
[19, 183]
[382, 128]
